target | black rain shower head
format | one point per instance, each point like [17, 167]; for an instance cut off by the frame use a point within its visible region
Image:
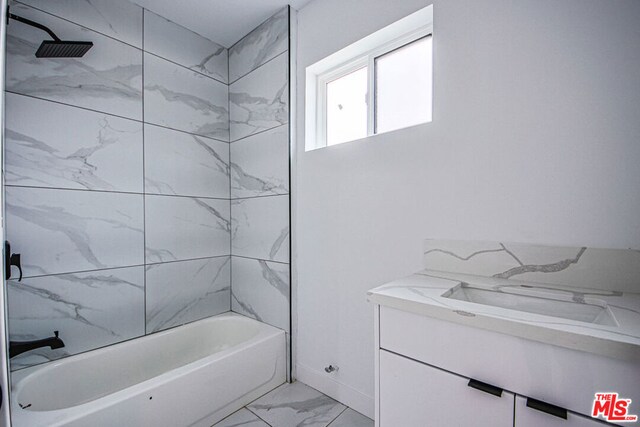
[62, 49]
[55, 48]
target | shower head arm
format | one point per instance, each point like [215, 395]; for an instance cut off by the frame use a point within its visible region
[34, 24]
[56, 48]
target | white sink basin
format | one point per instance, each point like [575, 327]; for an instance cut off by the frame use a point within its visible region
[555, 303]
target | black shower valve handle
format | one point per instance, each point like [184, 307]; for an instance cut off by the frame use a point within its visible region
[11, 259]
[15, 260]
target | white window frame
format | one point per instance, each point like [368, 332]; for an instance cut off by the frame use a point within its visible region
[352, 58]
[321, 95]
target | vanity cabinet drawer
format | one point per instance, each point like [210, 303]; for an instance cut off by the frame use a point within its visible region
[416, 395]
[564, 377]
[528, 417]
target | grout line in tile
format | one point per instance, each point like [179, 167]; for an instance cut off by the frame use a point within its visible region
[187, 197]
[228, 416]
[259, 197]
[81, 271]
[85, 190]
[185, 67]
[258, 416]
[260, 397]
[72, 105]
[338, 416]
[188, 259]
[214, 425]
[124, 266]
[184, 131]
[113, 115]
[259, 66]
[261, 259]
[258, 133]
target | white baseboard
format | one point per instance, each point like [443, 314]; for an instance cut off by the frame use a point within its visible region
[328, 385]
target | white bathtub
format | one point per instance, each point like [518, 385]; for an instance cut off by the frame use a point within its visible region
[192, 375]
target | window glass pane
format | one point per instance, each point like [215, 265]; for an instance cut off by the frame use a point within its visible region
[347, 107]
[403, 86]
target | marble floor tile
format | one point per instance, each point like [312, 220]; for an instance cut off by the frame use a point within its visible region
[107, 79]
[296, 404]
[267, 41]
[244, 418]
[351, 418]
[182, 46]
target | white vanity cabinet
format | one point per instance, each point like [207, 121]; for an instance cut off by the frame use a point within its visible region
[433, 372]
[412, 393]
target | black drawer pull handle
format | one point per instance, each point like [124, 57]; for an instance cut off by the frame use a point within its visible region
[487, 388]
[548, 408]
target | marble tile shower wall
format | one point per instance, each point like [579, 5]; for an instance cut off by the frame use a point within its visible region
[259, 135]
[118, 177]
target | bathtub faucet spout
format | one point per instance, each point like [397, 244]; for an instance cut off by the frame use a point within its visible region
[18, 347]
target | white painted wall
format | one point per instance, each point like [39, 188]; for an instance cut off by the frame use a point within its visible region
[535, 138]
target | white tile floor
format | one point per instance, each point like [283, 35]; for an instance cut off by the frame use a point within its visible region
[295, 405]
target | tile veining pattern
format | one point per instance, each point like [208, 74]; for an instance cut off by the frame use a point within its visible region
[610, 269]
[295, 405]
[259, 168]
[117, 174]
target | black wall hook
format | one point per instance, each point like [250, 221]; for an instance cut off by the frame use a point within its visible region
[9, 260]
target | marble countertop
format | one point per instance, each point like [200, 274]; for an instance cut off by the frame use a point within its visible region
[425, 293]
